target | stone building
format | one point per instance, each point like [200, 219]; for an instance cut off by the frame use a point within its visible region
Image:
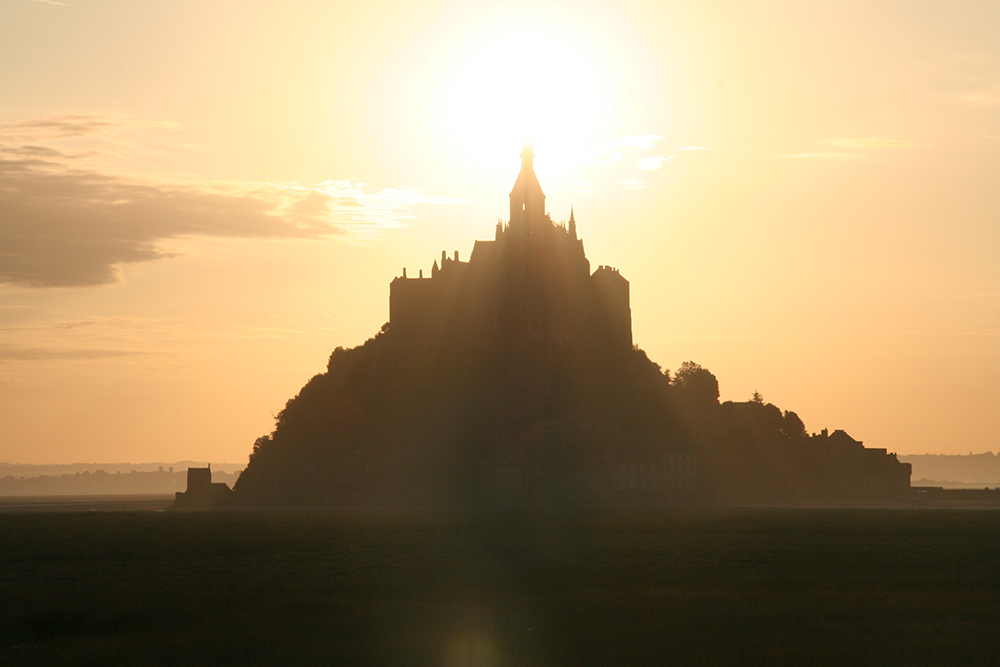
[860, 473]
[530, 285]
[202, 492]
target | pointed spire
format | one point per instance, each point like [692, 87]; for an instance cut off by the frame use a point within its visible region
[527, 201]
[572, 222]
[526, 156]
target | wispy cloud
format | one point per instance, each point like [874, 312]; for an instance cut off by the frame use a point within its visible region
[869, 143]
[611, 158]
[627, 161]
[42, 152]
[987, 96]
[66, 225]
[51, 2]
[853, 148]
[61, 325]
[820, 156]
[364, 212]
[654, 162]
[633, 184]
[74, 125]
[643, 142]
[616, 149]
[18, 353]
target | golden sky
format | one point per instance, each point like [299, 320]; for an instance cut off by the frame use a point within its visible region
[199, 201]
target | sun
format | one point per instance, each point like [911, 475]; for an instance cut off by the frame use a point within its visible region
[517, 84]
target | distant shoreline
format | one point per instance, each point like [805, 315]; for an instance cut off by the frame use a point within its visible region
[152, 502]
[111, 480]
[949, 471]
[163, 502]
[39, 469]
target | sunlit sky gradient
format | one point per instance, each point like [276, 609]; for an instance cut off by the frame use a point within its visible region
[199, 201]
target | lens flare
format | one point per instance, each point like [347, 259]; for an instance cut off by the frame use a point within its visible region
[474, 650]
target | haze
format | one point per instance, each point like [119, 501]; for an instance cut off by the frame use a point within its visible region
[199, 201]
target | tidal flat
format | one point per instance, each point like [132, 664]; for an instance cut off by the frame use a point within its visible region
[461, 587]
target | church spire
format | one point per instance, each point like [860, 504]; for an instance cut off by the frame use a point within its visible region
[527, 201]
[572, 223]
[527, 157]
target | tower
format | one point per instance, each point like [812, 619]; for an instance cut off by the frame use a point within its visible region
[527, 201]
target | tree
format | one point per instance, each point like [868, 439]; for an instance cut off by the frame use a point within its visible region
[696, 385]
[792, 426]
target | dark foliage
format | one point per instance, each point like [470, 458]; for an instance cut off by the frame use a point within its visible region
[400, 421]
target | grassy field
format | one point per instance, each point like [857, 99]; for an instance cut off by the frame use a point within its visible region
[740, 587]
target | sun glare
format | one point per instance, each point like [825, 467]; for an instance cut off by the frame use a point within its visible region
[522, 84]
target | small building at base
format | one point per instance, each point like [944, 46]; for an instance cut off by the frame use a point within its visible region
[202, 492]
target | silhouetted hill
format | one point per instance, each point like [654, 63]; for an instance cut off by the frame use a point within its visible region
[393, 421]
[511, 379]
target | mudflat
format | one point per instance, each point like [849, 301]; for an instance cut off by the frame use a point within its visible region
[464, 587]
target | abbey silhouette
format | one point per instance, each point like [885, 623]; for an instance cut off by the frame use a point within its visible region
[511, 379]
[533, 281]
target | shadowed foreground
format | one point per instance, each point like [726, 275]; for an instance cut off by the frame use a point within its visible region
[747, 587]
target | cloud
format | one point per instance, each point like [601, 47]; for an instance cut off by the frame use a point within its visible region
[988, 96]
[616, 149]
[850, 144]
[638, 142]
[627, 161]
[74, 125]
[820, 156]
[633, 184]
[654, 162]
[61, 326]
[612, 157]
[63, 224]
[361, 212]
[41, 152]
[871, 142]
[20, 353]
